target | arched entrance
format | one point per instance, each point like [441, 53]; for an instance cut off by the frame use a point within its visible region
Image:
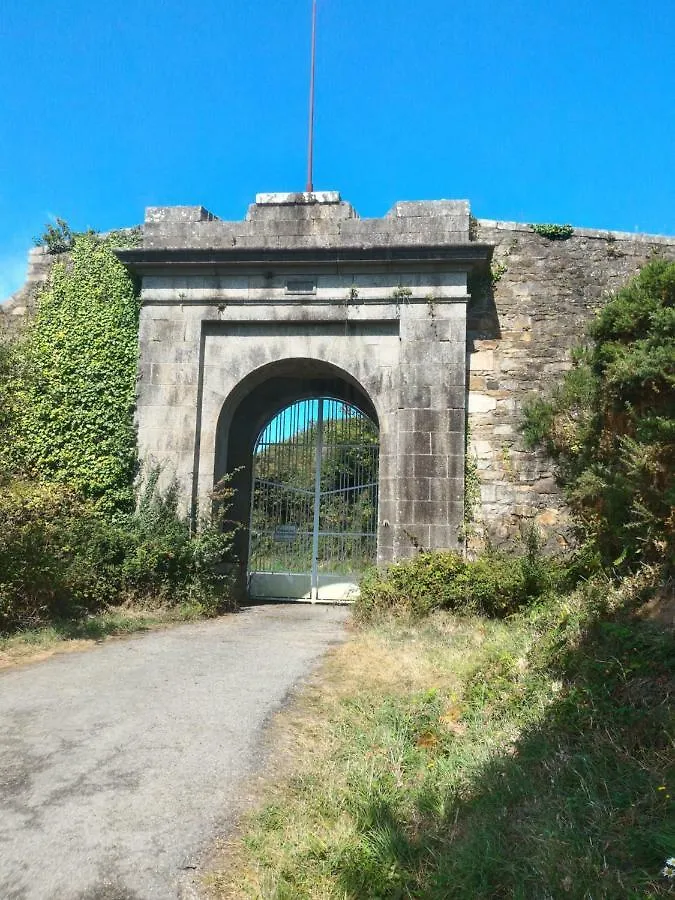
[313, 520]
[270, 418]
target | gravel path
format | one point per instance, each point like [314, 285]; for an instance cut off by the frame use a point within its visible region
[119, 765]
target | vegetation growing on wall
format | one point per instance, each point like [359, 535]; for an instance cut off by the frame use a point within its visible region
[57, 237]
[73, 539]
[553, 232]
[77, 363]
[610, 425]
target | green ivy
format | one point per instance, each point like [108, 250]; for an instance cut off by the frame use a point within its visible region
[471, 489]
[497, 269]
[554, 232]
[75, 393]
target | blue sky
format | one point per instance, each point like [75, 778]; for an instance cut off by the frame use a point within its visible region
[533, 111]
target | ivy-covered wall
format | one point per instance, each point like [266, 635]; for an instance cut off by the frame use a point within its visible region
[75, 382]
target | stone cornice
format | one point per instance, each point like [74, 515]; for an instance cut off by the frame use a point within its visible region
[467, 256]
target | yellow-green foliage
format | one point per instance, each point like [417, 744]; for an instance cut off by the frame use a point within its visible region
[61, 559]
[77, 373]
[72, 541]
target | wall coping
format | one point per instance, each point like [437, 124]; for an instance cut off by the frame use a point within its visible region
[597, 233]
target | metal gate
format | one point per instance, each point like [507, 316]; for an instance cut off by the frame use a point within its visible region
[313, 527]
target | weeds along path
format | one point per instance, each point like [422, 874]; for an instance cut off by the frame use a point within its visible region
[118, 766]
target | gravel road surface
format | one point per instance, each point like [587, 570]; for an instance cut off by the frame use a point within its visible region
[119, 765]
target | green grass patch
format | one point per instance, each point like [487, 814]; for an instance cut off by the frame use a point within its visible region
[461, 757]
[33, 643]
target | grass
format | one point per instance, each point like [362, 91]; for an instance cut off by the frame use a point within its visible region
[470, 758]
[33, 644]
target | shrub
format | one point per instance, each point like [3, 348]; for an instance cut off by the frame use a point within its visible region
[57, 237]
[610, 425]
[553, 232]
[494, 584]
[60, 559]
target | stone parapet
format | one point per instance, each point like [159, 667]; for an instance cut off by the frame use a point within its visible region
[321, 220]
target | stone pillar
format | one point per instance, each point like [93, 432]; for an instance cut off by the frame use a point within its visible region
[430, 426]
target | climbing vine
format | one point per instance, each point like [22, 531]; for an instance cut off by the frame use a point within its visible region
[553, 232]
[471, 489]
[77, 373]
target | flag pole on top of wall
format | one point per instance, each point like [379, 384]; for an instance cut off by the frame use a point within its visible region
[310, 144]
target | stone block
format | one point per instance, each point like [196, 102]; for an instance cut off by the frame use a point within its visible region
[388, 466]
[446, 442]
[414, 442]
[482, 361]
[456, 466]
[413, 488]
[404, 511]
[409, 539]
[443, 537]
[386, 510]
[430, 466]
[415, 395]
[442, 489]
[549, 518]
[430, 512]
[406, 419]
[388, 489]
[479, 402]
[449, 397]
[428, 420]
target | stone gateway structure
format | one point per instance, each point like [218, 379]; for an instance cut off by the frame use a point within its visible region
[431, 324]
[305, 299]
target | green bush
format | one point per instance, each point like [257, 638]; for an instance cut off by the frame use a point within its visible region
[494, 584]
[73, 539]
[60, 559]
[610, 426]
[553, 232]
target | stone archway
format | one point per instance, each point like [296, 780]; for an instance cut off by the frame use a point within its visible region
[239, 316]
[254, 402]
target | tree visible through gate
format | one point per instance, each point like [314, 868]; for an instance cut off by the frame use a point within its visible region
[313, 526]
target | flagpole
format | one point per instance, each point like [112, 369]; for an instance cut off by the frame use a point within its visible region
[310, 143]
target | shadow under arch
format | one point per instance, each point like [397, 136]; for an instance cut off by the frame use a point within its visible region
[253, 404]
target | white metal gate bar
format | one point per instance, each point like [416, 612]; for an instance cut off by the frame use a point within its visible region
[313, 502]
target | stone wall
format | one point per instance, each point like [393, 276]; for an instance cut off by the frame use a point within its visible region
[521, 324]
[520, 330]
[17, 309]
[304, 288]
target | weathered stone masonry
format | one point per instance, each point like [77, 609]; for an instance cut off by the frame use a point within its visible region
[519, 335]
[240, 318]
[18, 308]
[425, 320]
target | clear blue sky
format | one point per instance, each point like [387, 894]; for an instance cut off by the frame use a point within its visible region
[534, 111]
